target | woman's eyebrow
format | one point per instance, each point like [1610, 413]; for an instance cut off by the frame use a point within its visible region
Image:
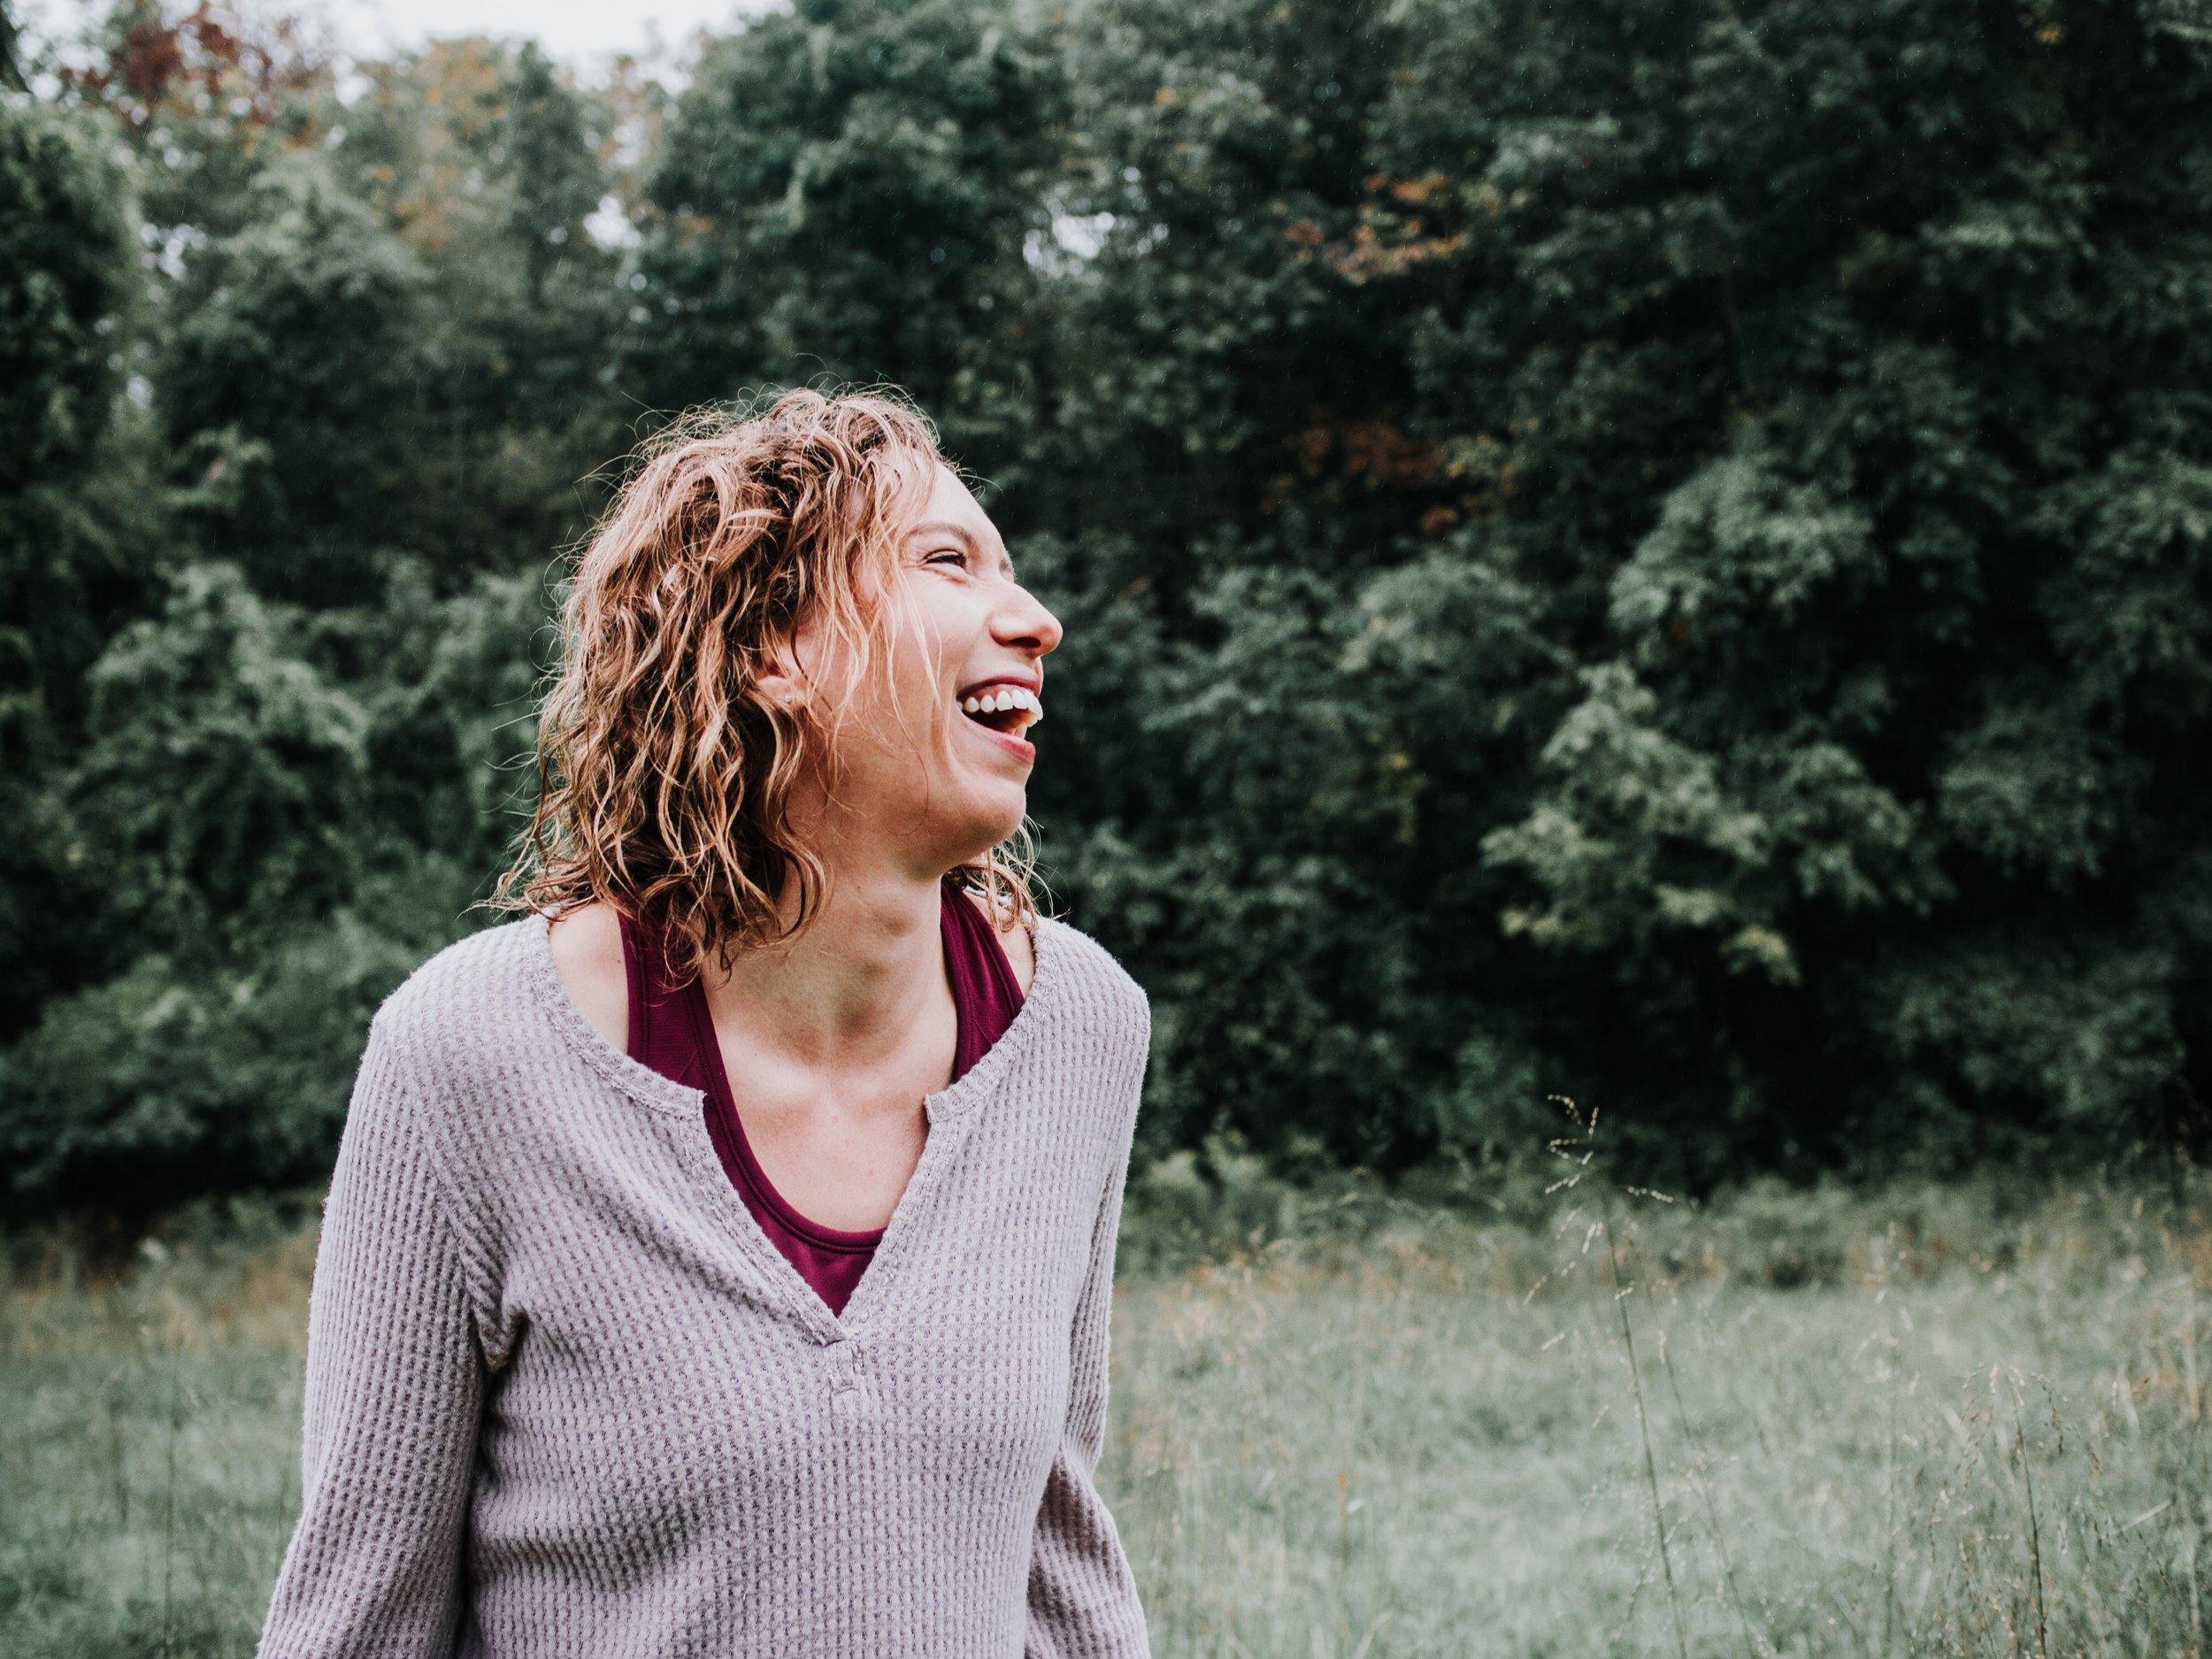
[941, 526]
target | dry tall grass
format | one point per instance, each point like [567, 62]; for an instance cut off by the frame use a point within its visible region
[1931, 1422]
[1927, 1422]
[150, 1443]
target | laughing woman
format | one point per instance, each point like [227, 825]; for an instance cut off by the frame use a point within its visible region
[719, 1257]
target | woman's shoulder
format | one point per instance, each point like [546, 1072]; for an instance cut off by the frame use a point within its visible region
[470, 997]
[1093, 979]
[1102, 1040]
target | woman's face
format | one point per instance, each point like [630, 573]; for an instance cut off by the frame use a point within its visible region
[927, 759]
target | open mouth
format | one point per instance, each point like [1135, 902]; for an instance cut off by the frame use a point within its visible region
[1006, 709]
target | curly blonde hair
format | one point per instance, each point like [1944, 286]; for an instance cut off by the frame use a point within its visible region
[664, 771]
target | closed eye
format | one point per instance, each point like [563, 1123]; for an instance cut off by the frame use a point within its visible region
[947, 554]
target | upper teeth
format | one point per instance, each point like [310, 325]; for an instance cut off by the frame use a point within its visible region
[999, 700]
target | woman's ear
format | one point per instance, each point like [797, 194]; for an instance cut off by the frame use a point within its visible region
[780, 687]
[779, 677]
[799, 661]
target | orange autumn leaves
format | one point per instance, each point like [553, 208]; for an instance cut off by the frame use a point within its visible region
[1404, 224]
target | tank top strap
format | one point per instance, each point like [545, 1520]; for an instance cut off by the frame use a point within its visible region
[664, 1028]
[985, 993]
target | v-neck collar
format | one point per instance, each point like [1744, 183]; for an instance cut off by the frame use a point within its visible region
[952, 1113]
[721, 1103]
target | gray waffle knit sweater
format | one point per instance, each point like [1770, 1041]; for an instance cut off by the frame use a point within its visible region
[565, 1397]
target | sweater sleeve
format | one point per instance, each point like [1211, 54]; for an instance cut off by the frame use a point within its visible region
[1082, 1594]
[395, 1384]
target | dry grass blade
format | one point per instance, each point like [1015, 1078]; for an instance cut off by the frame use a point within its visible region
[1643, 1430]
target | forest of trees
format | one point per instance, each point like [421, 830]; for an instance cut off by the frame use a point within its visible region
[1656, 550]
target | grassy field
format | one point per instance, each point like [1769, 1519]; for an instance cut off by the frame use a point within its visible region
[1940, 1421]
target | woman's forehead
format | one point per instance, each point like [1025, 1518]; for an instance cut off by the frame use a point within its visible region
[951, 500]
[951, 506]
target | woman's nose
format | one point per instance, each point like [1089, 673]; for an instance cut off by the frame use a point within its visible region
[1025, 624]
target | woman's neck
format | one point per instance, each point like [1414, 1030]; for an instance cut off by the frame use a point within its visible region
[850, 988]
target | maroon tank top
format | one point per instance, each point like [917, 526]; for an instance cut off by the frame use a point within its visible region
[671, 1031]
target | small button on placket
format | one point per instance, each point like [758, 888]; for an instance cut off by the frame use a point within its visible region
[844, 1380]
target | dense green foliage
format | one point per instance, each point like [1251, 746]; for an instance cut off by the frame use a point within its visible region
[1653, 549]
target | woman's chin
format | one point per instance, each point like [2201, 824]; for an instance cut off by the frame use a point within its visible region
[948, 835]
[991, 820]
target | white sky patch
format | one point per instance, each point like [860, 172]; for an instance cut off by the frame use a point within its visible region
[586, 34]
[609, 227]
[1082, 234]
[1075, 241]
